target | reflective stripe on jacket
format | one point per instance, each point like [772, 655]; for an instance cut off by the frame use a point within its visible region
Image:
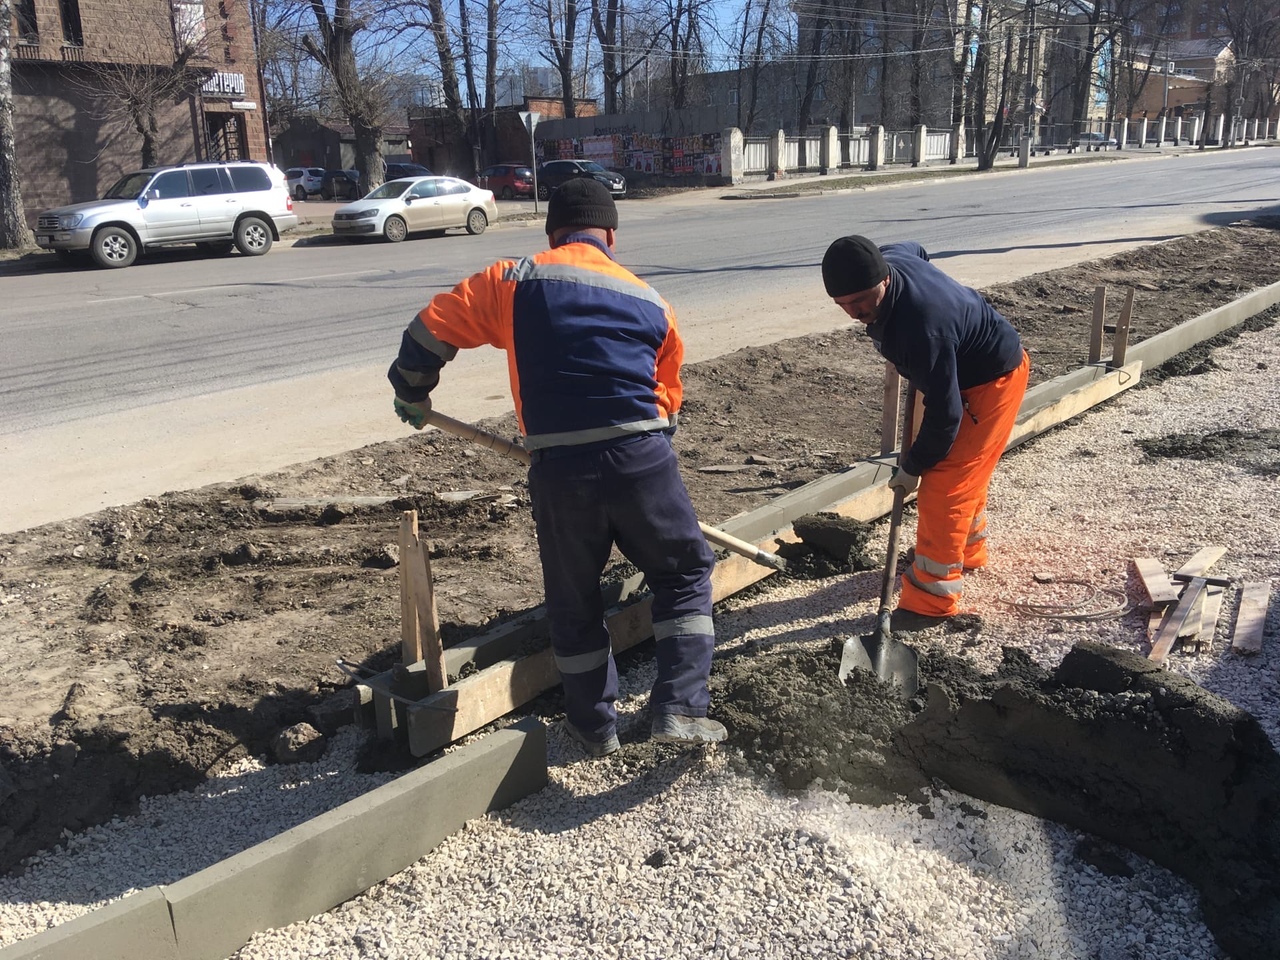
[592, 350]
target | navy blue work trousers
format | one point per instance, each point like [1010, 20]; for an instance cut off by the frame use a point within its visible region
[630, 494]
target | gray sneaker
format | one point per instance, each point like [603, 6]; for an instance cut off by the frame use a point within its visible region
[673, 728]
[594, 748]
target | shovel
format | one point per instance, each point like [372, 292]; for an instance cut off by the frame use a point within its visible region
[889, 659]
[516, 452]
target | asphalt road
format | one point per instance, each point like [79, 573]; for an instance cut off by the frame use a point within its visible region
[182, 371]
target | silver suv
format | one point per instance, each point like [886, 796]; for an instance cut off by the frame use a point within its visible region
[217, 206]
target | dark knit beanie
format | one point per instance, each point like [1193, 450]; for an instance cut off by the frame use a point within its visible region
[851, 265]
[581, 202]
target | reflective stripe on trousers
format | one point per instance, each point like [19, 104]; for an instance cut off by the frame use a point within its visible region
[951, 503]
[630, 494]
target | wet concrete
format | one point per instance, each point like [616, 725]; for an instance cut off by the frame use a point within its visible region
[1256, 450]
[1108, 743]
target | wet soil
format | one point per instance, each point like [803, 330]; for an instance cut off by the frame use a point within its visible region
[147, 644]
[1108, 743]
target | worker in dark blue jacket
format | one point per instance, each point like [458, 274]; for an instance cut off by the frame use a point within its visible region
[594, 361]
[968, 363]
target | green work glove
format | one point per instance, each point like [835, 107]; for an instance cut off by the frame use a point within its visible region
[906, 482]
[414, 414]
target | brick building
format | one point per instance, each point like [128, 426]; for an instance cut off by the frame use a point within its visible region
[73, 61]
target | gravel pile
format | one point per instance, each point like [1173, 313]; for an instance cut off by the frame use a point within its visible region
[658, 852]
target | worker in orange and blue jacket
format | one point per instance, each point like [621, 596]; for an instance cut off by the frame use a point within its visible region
[968, 363]
[594, 361]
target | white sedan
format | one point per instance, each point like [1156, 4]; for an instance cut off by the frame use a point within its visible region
[400, 207]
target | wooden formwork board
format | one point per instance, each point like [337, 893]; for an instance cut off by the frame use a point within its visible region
[1252, 618]
[1161, 590]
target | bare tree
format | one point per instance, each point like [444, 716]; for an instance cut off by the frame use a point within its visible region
[134, 93]
[14, 232]
[608, 20]
[362, 95]
[559, 31]
[1252, 28]
[751, 54]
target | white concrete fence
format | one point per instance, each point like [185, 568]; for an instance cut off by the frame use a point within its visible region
[874, 147]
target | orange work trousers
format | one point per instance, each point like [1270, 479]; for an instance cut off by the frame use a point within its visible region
[951, 502]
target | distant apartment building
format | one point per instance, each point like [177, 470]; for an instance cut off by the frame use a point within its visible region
[76, 62]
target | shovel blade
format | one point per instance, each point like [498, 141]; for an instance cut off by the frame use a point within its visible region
[853, 657]
[889, 659]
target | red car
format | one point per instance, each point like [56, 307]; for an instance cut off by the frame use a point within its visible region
[507, 180]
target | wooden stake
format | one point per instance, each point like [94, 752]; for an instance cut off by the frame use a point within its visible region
[424, 593]
[410, 637]
[1252, 618]
[1099, 317]
[1120, 342]
[420, 622]
[890, 412]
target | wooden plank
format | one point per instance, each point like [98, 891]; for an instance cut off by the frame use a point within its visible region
[1120, 342]
[916, 405]
[1252, 618]
[1099, 318]
[410, 634]
[891, 410]
[1156, 620]
[1074, 403]
[1160, 589]
[1191, 625]
[1201, 560]
[1169, 632]
[1209, 620]
[430, 649]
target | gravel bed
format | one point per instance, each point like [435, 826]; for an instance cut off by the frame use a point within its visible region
[687, 854]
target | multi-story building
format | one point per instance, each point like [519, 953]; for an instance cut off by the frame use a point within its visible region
[77, 64]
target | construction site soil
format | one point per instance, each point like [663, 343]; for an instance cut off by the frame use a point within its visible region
[148, 644]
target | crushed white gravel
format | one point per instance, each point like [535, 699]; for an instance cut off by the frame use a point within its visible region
[701, 858]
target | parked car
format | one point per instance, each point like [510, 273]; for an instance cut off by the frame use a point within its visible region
[555, 172]
[217, 206]
[398, 171]
[1093, 141]
[508, 180]
[303, 181]
[340, 185]
[400, 207]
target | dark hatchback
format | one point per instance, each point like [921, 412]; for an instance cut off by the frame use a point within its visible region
[340, 185]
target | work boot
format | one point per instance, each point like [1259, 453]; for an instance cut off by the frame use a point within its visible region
[594, 748]
[674, 728]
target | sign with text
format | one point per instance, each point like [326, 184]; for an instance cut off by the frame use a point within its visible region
[224, 85]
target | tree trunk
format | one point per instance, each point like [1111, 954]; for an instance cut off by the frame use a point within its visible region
[14, 232]
[991, 147]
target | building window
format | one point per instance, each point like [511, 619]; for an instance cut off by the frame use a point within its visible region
[733, 97]
[188, 24]
[819, 94]
[28, 31]
[72, 31]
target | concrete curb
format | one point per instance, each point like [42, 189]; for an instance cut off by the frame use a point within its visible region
[310, 868]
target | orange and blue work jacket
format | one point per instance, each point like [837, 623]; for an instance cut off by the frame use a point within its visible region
[592, 351]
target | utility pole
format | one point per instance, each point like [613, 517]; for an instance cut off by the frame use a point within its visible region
[1032, 52]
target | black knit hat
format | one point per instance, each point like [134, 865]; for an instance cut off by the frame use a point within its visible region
[581, 202]
[851, 265]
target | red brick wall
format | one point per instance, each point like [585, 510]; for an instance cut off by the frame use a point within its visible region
[67, 151]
